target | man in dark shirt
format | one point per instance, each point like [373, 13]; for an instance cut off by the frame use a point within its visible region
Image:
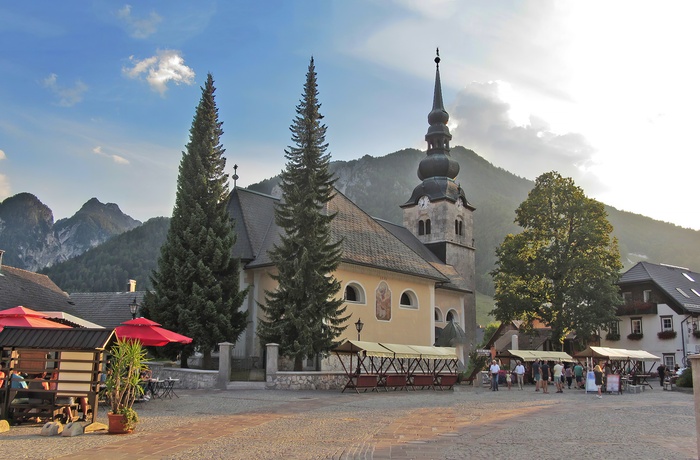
[536, 374]
[544, 369]
[662, 374]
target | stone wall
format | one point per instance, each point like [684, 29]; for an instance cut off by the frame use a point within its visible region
[306, 381]
[189, 378]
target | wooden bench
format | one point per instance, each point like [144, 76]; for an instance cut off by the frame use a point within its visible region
[446, 381]
[422, 380]
[27, 404]
[362, 381]
[395, 381]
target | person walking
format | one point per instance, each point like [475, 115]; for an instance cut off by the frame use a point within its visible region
[569, 375]
[494, 370]
[544, 369]
[598, 380]
[520, 373]
[558, 370]
[536, 374]
[662, 374]
[578, 375]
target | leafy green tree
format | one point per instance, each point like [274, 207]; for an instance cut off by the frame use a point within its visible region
[196, 286]
[562, 268]
[304, 315]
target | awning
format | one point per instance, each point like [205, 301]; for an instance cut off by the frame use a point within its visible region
[617, 354]
[531, 355]
[391, 350]
[369, 348]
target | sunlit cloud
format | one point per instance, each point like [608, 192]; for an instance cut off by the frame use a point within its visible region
[67, 96]
[139, 27]
[115, 158]
[166, 67]
[2, 155]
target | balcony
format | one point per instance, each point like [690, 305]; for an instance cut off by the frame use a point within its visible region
[637, 308]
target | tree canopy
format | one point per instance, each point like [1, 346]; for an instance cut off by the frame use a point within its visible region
[304, 315]
[562, 268]
[196, 286]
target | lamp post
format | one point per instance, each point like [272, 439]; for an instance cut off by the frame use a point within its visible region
[133, 307]
[358, 326]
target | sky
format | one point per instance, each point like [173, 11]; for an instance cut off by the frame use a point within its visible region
[97, 97]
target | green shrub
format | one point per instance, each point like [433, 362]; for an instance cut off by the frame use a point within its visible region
[686, 378]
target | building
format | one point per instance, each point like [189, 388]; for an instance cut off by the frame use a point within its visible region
[659, 314]
[403, 282]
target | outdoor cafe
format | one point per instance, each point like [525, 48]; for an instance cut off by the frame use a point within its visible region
[629, 366]
[373, 366]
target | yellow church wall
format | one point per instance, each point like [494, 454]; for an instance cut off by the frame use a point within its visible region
[446, 301]
[406, 325]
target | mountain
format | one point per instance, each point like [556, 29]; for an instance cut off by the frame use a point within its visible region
[377, 185]
[31, 240]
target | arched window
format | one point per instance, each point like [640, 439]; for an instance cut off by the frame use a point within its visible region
[354, 293]
[438, 315]
[421, 227]
[427, 226]
[452, 316]
[408, 299]
[456, 227]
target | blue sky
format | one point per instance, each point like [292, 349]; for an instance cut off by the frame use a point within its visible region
[97, 97]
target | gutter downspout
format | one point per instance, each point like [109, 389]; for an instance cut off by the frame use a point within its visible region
[683, 332]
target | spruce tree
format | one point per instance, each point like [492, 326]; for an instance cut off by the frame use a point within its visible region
[304, 315]
[196, 285]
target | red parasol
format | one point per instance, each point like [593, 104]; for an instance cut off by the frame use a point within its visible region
[26, 317]
[149, 333]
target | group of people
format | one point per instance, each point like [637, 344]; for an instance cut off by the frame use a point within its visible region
[42, 381]
[542, 374]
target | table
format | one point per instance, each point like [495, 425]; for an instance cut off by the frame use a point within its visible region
[167, 387]
[641, 379]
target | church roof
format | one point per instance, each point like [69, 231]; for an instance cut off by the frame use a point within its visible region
[366, 241]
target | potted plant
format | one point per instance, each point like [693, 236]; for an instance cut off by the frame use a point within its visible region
[667, 334]
[123, 384]
[612, 336]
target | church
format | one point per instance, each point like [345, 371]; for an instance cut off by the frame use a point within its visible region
[404, 283]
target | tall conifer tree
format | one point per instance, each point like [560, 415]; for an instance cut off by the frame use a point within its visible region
[303, 315]
[196, 286]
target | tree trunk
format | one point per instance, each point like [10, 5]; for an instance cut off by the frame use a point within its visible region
[298, 363]
[183, 360]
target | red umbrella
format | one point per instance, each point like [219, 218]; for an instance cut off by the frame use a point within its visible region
[26, 317]
[149, 333]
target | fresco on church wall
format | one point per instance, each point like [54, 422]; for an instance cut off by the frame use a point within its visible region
[383, 302]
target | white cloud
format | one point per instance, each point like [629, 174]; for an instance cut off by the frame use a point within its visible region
[115, 158]
[67, 97]
[167, 66]
[139, 27]
[2, 155]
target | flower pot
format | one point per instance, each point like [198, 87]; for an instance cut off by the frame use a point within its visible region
[117, 424]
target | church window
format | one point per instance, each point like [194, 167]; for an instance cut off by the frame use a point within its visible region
[427, 226]
[421, 227]
[408, 299]
[452, 316]
[354, 293]
[458, 227]
[438, 315]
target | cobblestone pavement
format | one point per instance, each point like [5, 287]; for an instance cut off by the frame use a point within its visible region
[468, 423]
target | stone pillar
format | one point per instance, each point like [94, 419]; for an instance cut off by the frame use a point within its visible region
[273, 350]
[695, 366]
[225, 349]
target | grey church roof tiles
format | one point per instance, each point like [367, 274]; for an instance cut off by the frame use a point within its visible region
[366, 242]
[108, 309]
[680, 284]
[31, 290]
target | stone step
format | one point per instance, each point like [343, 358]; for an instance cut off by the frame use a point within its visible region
[245, 386]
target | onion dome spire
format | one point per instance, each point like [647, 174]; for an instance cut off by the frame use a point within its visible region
[438, 162]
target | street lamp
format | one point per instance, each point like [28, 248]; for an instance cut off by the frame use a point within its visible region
[358, 326]
[133, 307]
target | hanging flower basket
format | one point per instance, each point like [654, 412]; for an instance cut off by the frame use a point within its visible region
[612, 336]
[667, 334]
[635, 336]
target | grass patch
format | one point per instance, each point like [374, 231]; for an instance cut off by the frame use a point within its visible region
[484, 304]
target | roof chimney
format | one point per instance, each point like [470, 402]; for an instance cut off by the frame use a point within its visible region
[132, 286]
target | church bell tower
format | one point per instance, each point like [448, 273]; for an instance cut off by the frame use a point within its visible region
[438, 212]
